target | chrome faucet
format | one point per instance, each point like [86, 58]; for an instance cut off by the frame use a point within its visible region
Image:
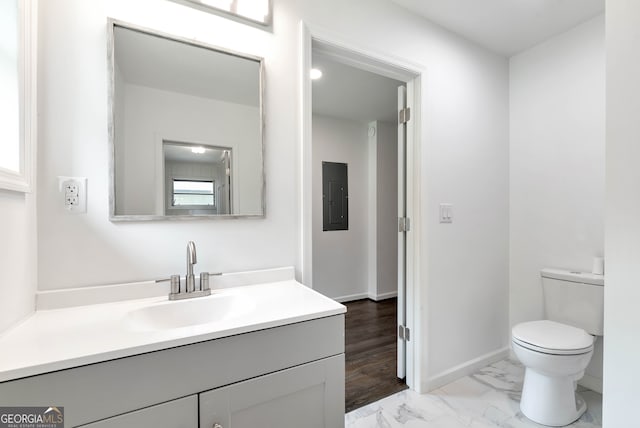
[191, 260]
[189, 291]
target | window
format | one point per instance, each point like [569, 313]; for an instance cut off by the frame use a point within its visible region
[9, 76]
[18, 77]
[193, 193]
[253, 10]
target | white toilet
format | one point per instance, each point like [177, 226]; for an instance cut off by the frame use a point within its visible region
[556, 351]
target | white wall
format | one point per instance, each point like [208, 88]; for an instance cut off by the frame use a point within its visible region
[340, 256]
[153, 115]
[17, 257]
[80, 250]
[622, 218]
[557, 118]
[463, 157]
[360, 262]
[557, 115]
[464, 160]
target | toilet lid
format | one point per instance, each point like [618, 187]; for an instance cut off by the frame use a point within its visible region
[552, 336]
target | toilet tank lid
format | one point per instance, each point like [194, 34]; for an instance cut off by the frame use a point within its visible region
[552, 335]
[573, 276]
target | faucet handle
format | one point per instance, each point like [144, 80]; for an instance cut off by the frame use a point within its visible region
[204, 281]
[175, 284]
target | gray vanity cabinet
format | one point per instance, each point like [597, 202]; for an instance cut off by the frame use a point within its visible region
[182, 413]
[310, 396]
[286, 376]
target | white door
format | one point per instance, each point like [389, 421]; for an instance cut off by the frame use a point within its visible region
[402, 235]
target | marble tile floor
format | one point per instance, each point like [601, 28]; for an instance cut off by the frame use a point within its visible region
[488, 398]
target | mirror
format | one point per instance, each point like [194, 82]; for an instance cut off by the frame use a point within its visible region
[197, 179]
[186, 129]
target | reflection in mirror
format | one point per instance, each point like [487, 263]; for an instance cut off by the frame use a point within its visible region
[197, 179]
[185, 129]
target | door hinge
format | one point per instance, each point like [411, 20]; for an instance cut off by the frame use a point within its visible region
[404, 115]
[404, 224]
[404, 333]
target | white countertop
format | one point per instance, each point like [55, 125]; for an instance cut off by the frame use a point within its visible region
[57, 339]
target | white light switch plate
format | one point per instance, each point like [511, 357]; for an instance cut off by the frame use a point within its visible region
[446, 213]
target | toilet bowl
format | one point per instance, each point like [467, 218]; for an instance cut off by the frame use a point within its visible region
[556, 351]
[555, 356]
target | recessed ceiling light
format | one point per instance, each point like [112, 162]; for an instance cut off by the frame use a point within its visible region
[197, 150]
[315, 74]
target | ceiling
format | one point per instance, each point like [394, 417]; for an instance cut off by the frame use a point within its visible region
[180, 152]
[506, 26]
[351, 93]
[157, 62]
[503, 26]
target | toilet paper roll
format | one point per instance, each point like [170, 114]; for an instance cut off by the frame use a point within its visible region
[598, 266]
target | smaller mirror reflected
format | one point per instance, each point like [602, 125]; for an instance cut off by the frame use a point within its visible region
[197, 179]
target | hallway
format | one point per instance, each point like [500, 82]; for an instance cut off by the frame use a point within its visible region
[370, 343]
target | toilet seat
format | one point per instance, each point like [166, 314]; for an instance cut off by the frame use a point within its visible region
[550, 337]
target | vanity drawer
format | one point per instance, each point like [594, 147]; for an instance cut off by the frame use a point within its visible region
[182, 413]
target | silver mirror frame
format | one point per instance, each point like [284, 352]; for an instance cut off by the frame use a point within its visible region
[111, 24]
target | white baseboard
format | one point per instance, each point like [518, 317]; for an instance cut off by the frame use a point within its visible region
[360, 296]
[383, 296]
[351, 297]
[464, 369]
[591, 382]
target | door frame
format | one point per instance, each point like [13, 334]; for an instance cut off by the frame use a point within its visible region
[396, 68]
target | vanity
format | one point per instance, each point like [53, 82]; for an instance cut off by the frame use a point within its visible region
[262, 350]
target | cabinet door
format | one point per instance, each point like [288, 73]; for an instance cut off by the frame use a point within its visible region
[181, 413]
[310, 396]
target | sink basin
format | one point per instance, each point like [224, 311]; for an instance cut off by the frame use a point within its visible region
[186, 313]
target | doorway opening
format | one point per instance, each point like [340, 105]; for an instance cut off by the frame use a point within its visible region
[370, 352]
[353, 119]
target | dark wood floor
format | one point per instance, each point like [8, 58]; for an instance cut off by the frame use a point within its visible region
[370, 341]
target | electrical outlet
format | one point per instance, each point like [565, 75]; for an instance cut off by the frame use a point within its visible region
[70, 187]
[74, 190]
[70, 200]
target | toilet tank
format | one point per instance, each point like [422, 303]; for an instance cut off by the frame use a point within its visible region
[574, 298]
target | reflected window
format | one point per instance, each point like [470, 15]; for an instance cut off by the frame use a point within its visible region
[192, 193]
